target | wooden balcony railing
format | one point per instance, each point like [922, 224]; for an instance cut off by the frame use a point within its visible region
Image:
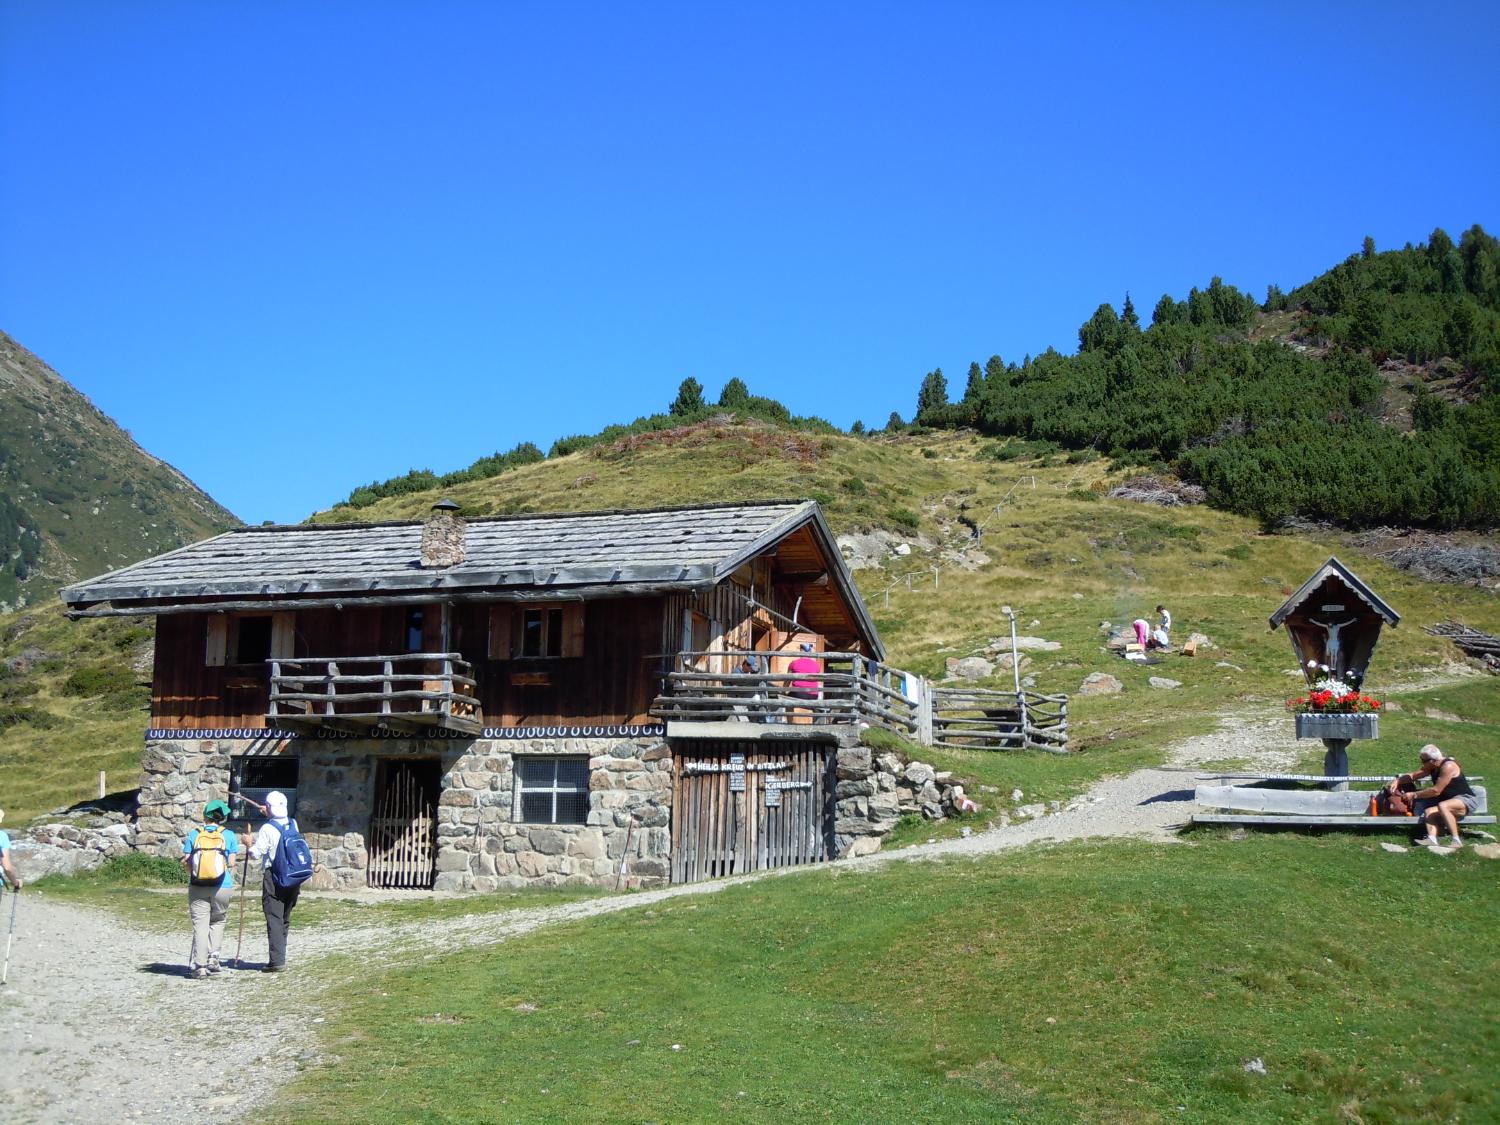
[850, 689]
[410, 693]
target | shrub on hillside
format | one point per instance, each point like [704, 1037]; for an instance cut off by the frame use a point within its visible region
[99, 679]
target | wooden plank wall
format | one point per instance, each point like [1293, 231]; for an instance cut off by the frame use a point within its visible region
[613, 681]
[187, 693]
[717, 831]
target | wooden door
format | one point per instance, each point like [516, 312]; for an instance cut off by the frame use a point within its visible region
[403, 824]
[749, 806]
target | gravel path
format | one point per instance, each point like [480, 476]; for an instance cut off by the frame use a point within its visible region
[101, 1024]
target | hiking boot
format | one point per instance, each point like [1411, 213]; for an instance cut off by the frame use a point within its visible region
[1455, 842]
[200, 973]
[213, 963]
[274, 969]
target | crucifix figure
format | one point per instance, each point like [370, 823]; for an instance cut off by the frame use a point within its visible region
[1332, 650]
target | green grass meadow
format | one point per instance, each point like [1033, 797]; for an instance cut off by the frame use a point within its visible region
[1091, 982]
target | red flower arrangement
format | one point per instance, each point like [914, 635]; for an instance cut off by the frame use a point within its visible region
[1333, 703]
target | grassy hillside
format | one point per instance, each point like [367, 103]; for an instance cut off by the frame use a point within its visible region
[1284, 410]
[73, 701]
[1053, 546]
[77, 495]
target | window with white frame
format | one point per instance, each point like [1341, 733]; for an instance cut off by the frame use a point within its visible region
[553, 790]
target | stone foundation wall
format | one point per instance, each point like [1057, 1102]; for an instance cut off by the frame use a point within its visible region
[481, 845]
[875, 791]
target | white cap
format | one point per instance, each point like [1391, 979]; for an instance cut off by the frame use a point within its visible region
[276, 803]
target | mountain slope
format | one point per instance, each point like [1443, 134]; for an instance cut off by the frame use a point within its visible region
[77, 495]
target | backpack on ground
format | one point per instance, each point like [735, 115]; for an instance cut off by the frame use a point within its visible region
[208, 862]
[292, 864]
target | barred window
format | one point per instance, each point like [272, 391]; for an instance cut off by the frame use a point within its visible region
[553, 790]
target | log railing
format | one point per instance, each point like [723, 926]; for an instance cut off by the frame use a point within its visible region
[983, 719]
[853, 689]
[713, 687]
[410, 692]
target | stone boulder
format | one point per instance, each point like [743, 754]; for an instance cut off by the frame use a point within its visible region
[1201, 641]
[35, 861]
[1032, 644]
[1100, 683]
[918, 774]
[1163, 682]
[973, 668]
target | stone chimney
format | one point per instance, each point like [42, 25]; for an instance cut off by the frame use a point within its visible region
[443, 537]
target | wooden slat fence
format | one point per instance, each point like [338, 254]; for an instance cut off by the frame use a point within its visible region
[985, 719]
[403, 828]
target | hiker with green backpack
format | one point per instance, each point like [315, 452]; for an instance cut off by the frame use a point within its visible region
[208, 854]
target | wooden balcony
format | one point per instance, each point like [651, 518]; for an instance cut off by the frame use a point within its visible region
[408, 694]
[710, 688]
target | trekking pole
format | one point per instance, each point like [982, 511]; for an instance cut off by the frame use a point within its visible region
[244, 878]
[15, 897]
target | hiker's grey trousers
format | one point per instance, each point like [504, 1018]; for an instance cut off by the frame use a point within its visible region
[207, 907]
[277, 902]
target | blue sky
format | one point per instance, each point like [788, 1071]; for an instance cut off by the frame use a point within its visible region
[296, 247]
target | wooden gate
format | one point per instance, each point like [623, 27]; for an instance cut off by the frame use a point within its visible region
[403, 824]
[749, 806]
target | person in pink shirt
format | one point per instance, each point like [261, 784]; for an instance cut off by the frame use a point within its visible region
[805, 665]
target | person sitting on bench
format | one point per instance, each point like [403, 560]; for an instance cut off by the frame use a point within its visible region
[1447, 800]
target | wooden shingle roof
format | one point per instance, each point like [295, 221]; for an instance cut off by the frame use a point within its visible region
[1335, 569]
[577, 554]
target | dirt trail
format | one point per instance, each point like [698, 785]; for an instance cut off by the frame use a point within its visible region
[102, 1025]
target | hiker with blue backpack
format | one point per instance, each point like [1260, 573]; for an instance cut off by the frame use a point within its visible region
[286, 863]
[208, 854]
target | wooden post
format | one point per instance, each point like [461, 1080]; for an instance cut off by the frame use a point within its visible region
[101, 785]
[333, 670]
[1336, 763]
[924, 713]
[275, 687]
[385, 689]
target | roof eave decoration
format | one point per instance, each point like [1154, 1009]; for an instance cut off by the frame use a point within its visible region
[1333, 567]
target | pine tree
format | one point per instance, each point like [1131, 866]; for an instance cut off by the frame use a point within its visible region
[995, 375]
[974, 390]
[894, 423]
[1167, 311]
[932, 397]
[1101, 332]
[1128, 319]
[689, 398]
[734, 394]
